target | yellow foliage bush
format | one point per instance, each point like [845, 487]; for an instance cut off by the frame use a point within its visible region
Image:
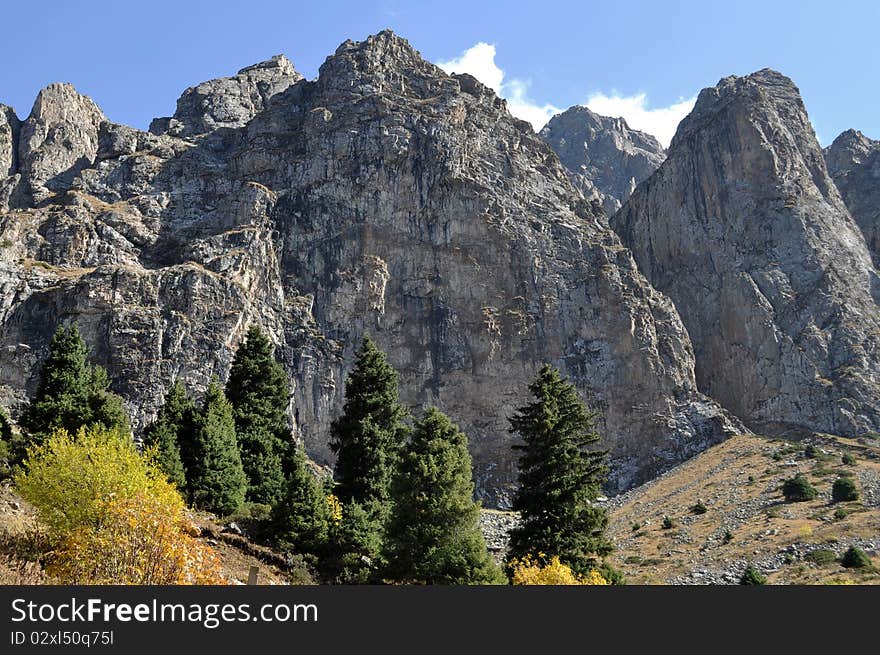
[69, 479]
[538, 571]
[136, 541]
[112, 513]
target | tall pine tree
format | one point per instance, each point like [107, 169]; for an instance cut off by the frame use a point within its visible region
[216, 480]
[560, 477]
[172, 427]
[367, 437]
[300, 520]
[259, 392]
[434, 536]
[71, 393]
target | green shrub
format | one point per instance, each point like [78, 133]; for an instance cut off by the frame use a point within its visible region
[751, 478]
[752, 576]
[728, 537]
[821, 557]
[668, 523]
[844, 490]
[849, 459]
[699, 508]
[840, 514]
[798, 489]
[856, 558]
[636, 527]
[777, 456]
[811, 451]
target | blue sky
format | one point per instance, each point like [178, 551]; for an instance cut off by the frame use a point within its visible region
[644, 60]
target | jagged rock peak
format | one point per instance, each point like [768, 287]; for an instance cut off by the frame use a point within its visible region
[383, 62]
[743, 228]
[603, 153]
[849, 149]
[854, 163]
[228, 101]
[9, 128]
[58, 139]
[765, 87]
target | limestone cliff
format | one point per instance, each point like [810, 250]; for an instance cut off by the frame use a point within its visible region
[384, 196]
[744, 229]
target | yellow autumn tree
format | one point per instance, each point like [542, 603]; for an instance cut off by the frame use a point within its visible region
[112, 514]
[538, 571]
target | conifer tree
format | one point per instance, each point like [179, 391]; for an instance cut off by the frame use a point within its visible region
[434, 535]
[216, 479]
[259, 392]
[300, 519]
[71, 393]
[172, 427]
[560, 477]
[367, 437]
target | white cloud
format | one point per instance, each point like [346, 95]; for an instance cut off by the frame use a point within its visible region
[660, 122]
[479, 61]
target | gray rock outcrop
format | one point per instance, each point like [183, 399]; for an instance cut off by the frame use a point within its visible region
[228, 101]
[744, 229]
[603, 155]
[854, 163]
[385, 196]
[9, 130]
[58, 140]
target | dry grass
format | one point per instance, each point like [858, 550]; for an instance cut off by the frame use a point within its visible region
[752, 510]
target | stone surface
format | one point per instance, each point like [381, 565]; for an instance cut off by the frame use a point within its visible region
[58, 140]
[385, 196]
[854, 163]
[228, 101]
[603, 154]
[744, 229]
[9, 128]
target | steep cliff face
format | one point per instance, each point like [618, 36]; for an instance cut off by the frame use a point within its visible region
[743, 228]
[9, 130]
[854, 164]
[385, 196]
[603, 154]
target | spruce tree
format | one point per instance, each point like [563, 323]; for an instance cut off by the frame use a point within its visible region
[300, 519]
[173, 426]
[259, 392]
[434, 536]
[216, 479]
[71, 393]
[560, 477]
[367, 437]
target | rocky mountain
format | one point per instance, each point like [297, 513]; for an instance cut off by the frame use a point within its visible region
[604, 157]
[384, 196]
[744, 229]
[853, 161]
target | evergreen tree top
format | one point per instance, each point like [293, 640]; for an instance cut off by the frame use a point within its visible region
[371, 387]
[66, 369]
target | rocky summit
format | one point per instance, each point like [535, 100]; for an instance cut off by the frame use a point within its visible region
[743, 227]
[386, 197]
[604, 157]
[854, 163]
